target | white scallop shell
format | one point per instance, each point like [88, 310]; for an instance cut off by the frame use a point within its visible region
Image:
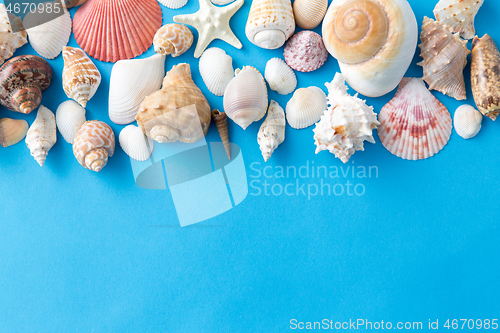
[467, 121]
[216, 69]
[306, 107]
[135, 144]
[173, 4]
[131, 81]
[280, 76]
[70, 116]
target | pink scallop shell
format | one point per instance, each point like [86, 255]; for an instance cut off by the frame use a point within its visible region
[305, 51]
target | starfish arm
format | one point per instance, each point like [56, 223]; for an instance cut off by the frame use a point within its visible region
[229, 37]
[186, 19]
[204, 39]
[234, 7]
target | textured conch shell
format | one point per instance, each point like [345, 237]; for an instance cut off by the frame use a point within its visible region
[42, 135]
[70, 116]
[272, 131]
[458, 15]
[173, 4]
[485, 76]
[280, 76]
[73, 3]
[270, 23]
[22, 80]
[177, 112]
[346, 124]
[373, 40]
[245, 98]
[10, 40]
[414, 125]
[305, 51]
[445, 57]
[220, 119]
[135, 144]
[309, 13]
[81, 78]
[216, 69]
[94, 144]
[131, 81]
[467, 121]
[12, 131]
[306, 107]
[173, 38]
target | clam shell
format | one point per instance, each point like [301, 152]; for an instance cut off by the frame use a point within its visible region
[458, 15]
[305, 51]
[272, 131]
[467, 121]
[280, 76]
[94, 143]
[42, 135]
[173, 38]
[70, 116]
[216, 69]
[306, 107]
[173, 4]
[12, 131]
[135, 144]
[10, 40]
[309, 13]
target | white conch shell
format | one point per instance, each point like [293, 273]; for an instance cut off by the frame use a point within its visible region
[70, 116]
[309, 13]
[458, 15]
[270, 23]
[373, 40]
[131, 81]
[305, 107]
[173, 4]
[216, 69]
[42, 135]
[346, 124]
[467, 121]
[245, 98]
[272, 131]
[280, 76]
[10, 40]
[135, 144]
[48, 38]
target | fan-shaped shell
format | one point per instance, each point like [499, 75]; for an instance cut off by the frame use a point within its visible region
[309, 13]
[94, 143]
[12, 34]
[173, 4]
[12, 131]
[173, 38]
[280, 76]
[305, 51]
[70, 116]
[467, 121]
[306, 107]
[414, 125]
[135, 144]
[42, 135]
[116, 30]
[272, 131]
[458, 15]
[216, 69]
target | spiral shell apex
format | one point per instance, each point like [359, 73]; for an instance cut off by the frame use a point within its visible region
[305, 51]
[173, 38]
[94, 143]
[220, 119]
[467, 121]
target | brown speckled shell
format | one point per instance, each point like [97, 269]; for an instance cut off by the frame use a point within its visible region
[220, 119]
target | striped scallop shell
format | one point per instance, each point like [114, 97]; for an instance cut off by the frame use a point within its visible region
[305, 51]
[280, 76]
[173, 4]
[467, 121]
[306, 107]
[173, 38]
[309, 13]
[12, 131]
[216, 69]
[458, 15]
[70, 116]
[94, 143]
[135, 144]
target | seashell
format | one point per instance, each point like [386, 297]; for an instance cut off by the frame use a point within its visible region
[305, 51]
[135, 144]
[116, 30]
[70, 116]
[220, 119]
[48, 37]
[374, 42]
[81, 78]
[280, 76]
[445, 57]
[131, 81]
[309, 13]
[272, 131]
[346, 124]
[485, 77]
[42, 135]
[22, 80]
[73, 3]
[221, 2]
[270, 23]
[458, 15]
[173, 4]
[12, 34]
[414, 125]
[216, 69]
[306, 107]
[173, 38]
[467, 121]
[94, 143]
[12, 131]
[177, 112]
[245, 97]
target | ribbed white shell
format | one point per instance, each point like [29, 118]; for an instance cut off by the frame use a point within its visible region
[173, 4]
[70, 116]
[458, 15]
[467, 121]
[216, 69]
[272, 131]
[135, 144]
[280, 76]
[305, 107]
[309, 13]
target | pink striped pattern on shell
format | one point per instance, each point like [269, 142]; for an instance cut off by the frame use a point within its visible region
[95, 140]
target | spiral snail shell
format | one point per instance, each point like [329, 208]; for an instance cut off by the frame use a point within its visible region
[93, 144]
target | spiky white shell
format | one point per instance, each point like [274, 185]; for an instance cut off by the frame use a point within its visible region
[10, 40]
[272, 131]
[280, 76]
[458, 15]
[467, 121]
[309, 13]
[70, 116]
[216, 69]
[42, 135]
[173, 4]
[305, 107]
[135, 144]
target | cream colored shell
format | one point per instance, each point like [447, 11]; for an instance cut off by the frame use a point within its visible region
[467, 121]
[216, 69]
[309, 13]
[10, 40]
[42, 135]
[173, 4]
[458, 15]
[305, 107]
[280, 77]
[135, 144]
[272, 131]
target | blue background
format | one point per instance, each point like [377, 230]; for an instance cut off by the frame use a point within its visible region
[88, 252]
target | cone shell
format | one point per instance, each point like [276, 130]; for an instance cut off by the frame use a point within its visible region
[245, 98]
[458, 15]
[70, 116]
[173, 38]
[309, 13]
[280, 76]
[414, 125]
[272, 131]
[94, 143]
[270, 23]
[12, 131]
[216, 69]
[42, 135]
[22, 80]
[73, 3]
[10, 40]
[305, 51]
[485, 76]
[131, 81]
[81, 78]
[467, 121]
[135, 144]
[305, 107]
[116, 30]
[173, 4]
[220, 119]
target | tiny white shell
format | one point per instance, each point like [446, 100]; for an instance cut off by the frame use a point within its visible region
[467, 121]
[135, 144]
[70, 116]
[216, 69]
[280, 76]
[173, 4]
[306, 107]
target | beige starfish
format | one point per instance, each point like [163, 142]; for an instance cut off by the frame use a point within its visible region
[212, 22]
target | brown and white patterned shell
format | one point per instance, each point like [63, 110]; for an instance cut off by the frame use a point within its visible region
[94, 143]
[10, 40]
[458, 15]
[220, 120]
[174, 39]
